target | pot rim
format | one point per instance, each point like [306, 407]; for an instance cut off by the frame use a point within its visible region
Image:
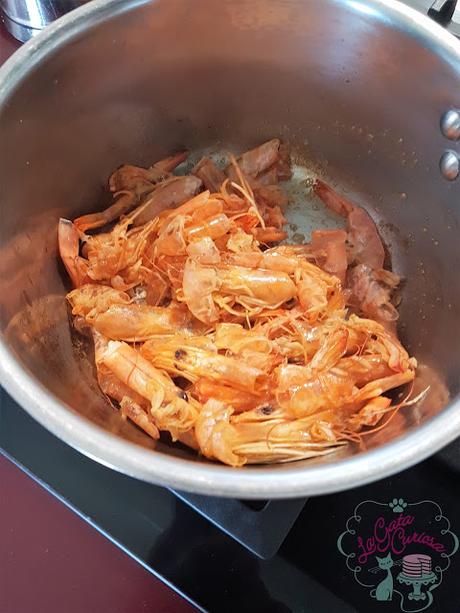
[205, 477]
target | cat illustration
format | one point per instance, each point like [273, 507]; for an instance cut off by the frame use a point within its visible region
[384, 590]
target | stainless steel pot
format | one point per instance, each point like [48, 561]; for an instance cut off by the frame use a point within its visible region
[358, 85]
[27, 18]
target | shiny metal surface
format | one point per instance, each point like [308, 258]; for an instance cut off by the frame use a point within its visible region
[442, 10]
[26, 18]
[128, 81]
[449, 165]
[450, 124]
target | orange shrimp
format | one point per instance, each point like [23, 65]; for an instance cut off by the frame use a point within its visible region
[208, 172]
[271, 365]
[334, 201]
[140, 179]
[171, 408]
[169, 194]
[204, 251]
[124, 204]
[251, 288]
[118, 252]
[366, 244]
[329, 246]
[137, 322]
[91, 299]
[260, 436]
[195, 357]
[267, 287]
[258, 160]
[214, 227]
[271, 196]
[240, 400]
[371, 293]
[269, 235]
[69, 244]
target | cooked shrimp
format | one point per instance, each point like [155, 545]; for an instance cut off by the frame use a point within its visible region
[199, 283]
[259, 436]
[169, 194]
[215, 435]
[118, 252]
[269, 235]
[204, 251]
[271, 196]
[269, 288]
[213, 227]
[370, 414]
[247, 287]
[211, 176]
[240, 400]
[319, 293]
[115, 389]
[69, 245]
[187, 357]
[371, 292]
[329, 247]
[365, 368]
[125, 202]
[132, 405]
[236, 338]
[139, 179]
[334, 201]
[91, 299]
[304, 390]
[136, 322]
[380, 341]
[366, 244]
[190, 207]
[246, 354]
[256, 161]
[130, 409]
[171, 408]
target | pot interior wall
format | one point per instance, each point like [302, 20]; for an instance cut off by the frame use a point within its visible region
[356, 91]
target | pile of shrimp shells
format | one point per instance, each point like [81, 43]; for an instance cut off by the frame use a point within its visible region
[157, 402]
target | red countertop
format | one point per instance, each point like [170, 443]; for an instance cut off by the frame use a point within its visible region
[51, 561]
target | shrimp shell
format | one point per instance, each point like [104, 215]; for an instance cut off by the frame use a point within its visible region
[171, 409]
[136, 322]
[193, 360]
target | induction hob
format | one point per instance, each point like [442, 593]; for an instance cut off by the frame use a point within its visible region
[206, 565]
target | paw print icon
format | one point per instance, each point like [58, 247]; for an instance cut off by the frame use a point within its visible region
[397, 505]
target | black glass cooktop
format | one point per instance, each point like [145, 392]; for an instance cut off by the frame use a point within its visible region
[307, 574]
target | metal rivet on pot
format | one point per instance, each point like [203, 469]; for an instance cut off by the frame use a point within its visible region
[450, 124]
[449, 165]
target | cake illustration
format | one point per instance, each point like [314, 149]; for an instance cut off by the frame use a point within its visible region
[416, 565]
[416, 572]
